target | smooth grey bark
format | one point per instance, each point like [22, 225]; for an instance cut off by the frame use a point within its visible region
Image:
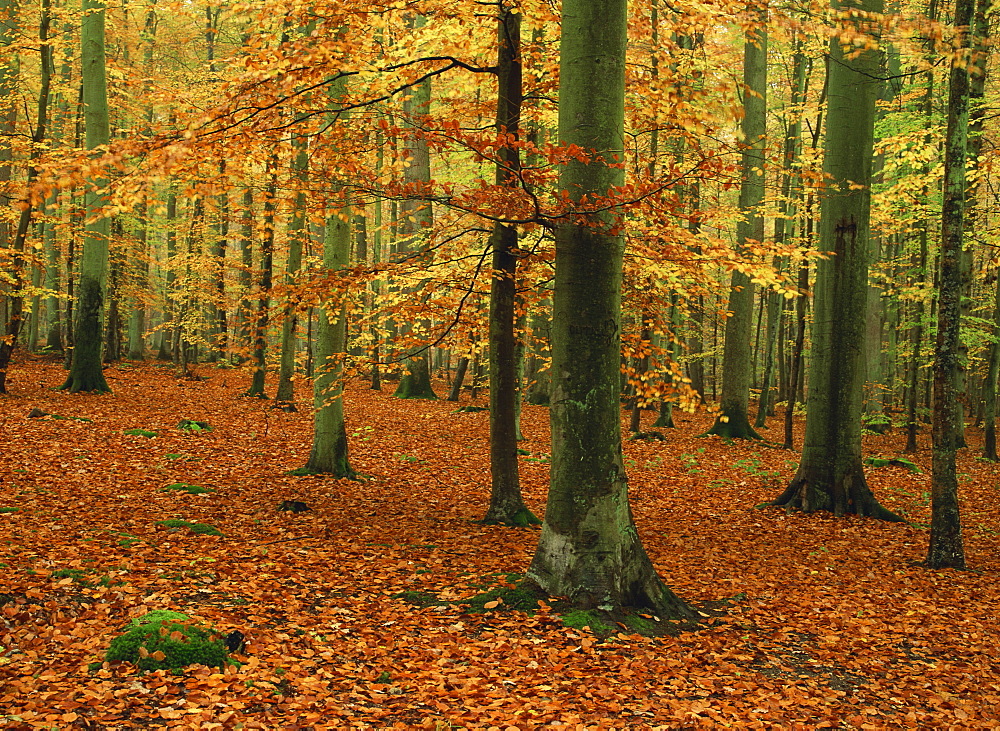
[166, 350]
[973, 215]
[86, 372]
[220, 325]
[922, 266]
[244, 310]
[589, 550]
[140, 267]
[733, 421]
[990, 387]
[53, 320]
[329, 454]
[830, 475]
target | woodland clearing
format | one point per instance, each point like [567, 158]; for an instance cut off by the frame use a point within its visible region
[832, 622]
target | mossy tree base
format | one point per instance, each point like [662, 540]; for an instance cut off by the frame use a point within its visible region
[79, 382]
[733, 425]
[520, 517]
[256, 389]
[511, 593]
[415, 383]
[811, 491]
[665, 419]
[338, 468]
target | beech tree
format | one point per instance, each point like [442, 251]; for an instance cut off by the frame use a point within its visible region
[589, 550]
[733, 420]
[86, 372]
[416, 218]
[506, 504]
[946, 548]
[830, 475]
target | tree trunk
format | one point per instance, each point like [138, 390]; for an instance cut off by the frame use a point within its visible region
[506, 503]
[733, 421]
[416, 218]
[298, 230]
[800, 340]
[589, 550]
[85, 372]
[946, 549]
[329, 453]
[264, 296]
[15, 311]
[830, 475]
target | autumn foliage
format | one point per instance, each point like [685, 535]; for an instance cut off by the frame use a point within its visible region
[813, 622]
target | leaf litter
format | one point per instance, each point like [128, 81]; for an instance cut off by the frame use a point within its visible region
[821, 622]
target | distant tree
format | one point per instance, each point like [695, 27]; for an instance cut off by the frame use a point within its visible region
[733, 420]
[416, 217]
[17, 242]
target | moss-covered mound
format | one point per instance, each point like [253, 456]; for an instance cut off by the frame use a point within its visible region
[167, 640]
[189, 489]
[201, 529]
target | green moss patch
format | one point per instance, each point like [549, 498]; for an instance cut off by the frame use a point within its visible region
[165, 640]
[9, 510]
[302, 472]
[421, 599]
[189, 489]
[892, 461]
[202, 529]
[591, 619]
[140, 433]
[191, 425]
[85, 578]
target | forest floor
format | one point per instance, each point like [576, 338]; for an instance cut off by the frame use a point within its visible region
[834, 623]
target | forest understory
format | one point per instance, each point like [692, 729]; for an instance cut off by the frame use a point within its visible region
[831, 623]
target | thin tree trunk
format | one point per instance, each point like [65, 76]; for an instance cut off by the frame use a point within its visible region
[733, 421]
[15, 309]
[946, 549]
[264, 296]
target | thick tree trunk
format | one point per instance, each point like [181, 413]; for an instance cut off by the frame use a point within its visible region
[589, 550]
[830, 475]
[85, 372]
[329, 453]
